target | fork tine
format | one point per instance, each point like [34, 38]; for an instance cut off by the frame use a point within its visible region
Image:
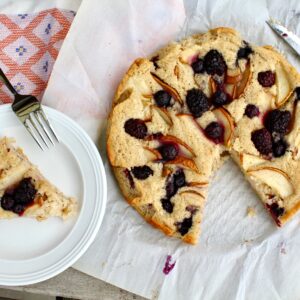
[36, 129]
[48, 123]
[38, 118]
[33, 136]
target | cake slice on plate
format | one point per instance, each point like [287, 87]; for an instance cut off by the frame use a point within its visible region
[24, 191]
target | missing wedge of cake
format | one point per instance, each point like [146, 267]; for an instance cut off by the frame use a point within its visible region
[177, 114]
[25, 192]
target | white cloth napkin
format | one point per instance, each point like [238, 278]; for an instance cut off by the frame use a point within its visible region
[238, 257]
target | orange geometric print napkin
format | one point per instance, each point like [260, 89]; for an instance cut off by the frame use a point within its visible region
[29, 45]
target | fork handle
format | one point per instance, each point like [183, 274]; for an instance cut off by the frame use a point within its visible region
[7, 83]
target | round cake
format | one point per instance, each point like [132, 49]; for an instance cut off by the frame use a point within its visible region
[179, 114]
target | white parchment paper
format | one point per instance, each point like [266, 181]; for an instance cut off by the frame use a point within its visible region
[238, 257]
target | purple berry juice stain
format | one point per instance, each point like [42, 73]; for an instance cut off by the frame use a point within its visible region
[282, 248]
[168, 265]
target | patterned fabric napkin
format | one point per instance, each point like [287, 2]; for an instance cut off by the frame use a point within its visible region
[29, 45]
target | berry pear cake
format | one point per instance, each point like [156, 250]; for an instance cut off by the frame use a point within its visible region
[25, 192]
[178, 115]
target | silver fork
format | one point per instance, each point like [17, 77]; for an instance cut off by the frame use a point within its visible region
[30, 112]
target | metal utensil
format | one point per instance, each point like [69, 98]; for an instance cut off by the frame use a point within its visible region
[289, 37]
[30, 112]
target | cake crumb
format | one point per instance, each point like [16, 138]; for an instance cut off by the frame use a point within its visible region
[247, 242]
[251, 212]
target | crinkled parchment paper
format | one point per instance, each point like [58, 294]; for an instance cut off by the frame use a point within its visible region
[238, 257]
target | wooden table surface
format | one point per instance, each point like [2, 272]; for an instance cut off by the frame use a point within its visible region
[75, 284]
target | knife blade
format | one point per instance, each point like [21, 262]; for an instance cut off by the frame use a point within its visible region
[289, 37]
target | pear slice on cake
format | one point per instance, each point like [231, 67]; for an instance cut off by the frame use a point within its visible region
[275, 178]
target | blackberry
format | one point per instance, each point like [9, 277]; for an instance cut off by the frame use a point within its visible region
[25, 192]
[171, 188]
[278, 121]
[198, 66]
[251, 111]
[142, 172]
[7, 202]
[136, 128]
[185, 225]
[162, 98]
[167, 205]
[266, 79]
[174, 182]
[276, 210]
[262, 141]
[214, 63]
[18, 209]
[244, 52]
[16, 199]
[219, 98]
[215, 132]
[197, 102]
[179, 179]
[279, 148]
[168, 151]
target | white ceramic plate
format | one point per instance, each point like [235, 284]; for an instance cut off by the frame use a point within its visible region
[32, 251]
